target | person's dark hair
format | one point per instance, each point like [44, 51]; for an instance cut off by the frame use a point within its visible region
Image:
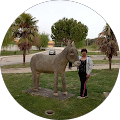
[84, 49]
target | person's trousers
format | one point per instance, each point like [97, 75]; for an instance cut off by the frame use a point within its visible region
[70, 65]
[83, 89]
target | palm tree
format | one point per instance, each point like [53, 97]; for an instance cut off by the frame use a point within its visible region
[107, 43]
[24, 28]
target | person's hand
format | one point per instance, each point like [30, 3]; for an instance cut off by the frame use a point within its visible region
[87, 76]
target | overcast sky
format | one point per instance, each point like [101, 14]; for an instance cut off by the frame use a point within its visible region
[50, 12]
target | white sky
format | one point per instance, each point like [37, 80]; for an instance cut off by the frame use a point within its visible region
[50, 12]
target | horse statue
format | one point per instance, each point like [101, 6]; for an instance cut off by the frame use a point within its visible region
[53, 64]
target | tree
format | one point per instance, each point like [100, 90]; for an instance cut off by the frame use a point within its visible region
[70, 29]
[41, 39]
[107, 43]
[37, 41]
[45, 39]
[7, 39]
[24, 27]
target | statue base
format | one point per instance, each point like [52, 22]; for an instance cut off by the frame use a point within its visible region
[48, 93]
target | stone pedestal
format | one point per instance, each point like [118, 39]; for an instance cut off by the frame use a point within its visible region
[48, 93]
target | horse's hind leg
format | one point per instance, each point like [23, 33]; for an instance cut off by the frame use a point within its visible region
[37, 78]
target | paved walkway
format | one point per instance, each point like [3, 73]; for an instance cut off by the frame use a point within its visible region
[28, 70]
[16, 59]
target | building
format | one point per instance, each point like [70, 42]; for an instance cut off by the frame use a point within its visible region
[16, 40]
[51, 44]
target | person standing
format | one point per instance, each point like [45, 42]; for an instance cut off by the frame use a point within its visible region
[85, 69]
[70, 65]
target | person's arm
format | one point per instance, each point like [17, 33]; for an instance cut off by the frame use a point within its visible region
[79, 60]
[90, 66]
[79, 57]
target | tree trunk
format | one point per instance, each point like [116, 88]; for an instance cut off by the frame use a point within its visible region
[28, 50]
[110, 60]
[24, 53]
[110, 63]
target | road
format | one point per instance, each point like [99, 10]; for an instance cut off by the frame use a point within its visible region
[16, 59]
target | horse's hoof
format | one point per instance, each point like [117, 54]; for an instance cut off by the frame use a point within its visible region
[39, 88]
[64, 93]
[35, 90]
[55, 94]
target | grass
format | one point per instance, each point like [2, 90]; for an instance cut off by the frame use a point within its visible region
[7, 53]
[92, 47]
[92, 53]
[103, 81]
[105, 61]
[28, 64]
[16, 66]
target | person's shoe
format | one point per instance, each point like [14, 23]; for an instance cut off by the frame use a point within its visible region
[79, 97]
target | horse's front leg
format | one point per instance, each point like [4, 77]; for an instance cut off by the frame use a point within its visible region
[63, 83]
[55, 83]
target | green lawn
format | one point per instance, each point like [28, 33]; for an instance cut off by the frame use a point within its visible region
[105, 61]
[94, 53]
[7, 53]
[103, 81]
[16, 66]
